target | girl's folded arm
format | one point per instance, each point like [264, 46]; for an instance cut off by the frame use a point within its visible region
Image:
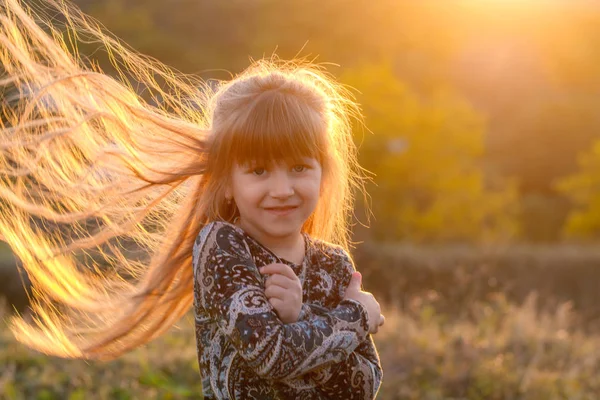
[363, 361]
[229, 286]
[333, 380]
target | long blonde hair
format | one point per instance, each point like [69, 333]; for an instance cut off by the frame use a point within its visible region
[103, 194]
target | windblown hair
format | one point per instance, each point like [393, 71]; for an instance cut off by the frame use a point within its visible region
[102, 193]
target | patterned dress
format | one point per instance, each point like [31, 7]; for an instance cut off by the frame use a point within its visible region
[246, 352]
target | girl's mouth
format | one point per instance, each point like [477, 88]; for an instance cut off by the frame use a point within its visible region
[281, 210]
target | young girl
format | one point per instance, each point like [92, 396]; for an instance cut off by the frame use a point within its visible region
[233, 199]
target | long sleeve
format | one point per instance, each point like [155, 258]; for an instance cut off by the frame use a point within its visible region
[359, 376]
[231, 292]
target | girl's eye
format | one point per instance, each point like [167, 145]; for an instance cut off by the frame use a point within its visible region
[302, 168]
[258, 171]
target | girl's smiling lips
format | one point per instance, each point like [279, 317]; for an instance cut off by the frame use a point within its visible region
[281, 210]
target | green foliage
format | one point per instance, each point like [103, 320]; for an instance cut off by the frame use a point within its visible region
[583, 189]
[542, 216]
[427, 157]
[529, 68]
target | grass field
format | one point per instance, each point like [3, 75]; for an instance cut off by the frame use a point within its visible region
[496, 350]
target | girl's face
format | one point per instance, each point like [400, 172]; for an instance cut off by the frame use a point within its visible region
[274, 201]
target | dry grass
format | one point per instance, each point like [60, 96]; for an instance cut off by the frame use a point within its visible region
[498, 350]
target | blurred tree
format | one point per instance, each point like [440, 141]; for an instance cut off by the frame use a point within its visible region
[538, 144]
[528, 68]
[427, 157]
[193, 36]
[542, 216]
[583, 190]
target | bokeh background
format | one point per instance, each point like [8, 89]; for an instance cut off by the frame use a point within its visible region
[482, 133]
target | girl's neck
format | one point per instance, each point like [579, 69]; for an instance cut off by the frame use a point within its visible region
[290, 247]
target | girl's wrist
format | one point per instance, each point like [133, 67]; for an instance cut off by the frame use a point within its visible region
[362, 310]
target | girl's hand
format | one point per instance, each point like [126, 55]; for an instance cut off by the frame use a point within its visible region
[376, 319]
[284, 291]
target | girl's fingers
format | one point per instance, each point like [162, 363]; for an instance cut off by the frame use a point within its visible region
[381, 319]
[275, 302]
[281, 280]
[275, 291]
[278, 268]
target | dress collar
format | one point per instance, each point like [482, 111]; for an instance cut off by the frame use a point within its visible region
[307, 247]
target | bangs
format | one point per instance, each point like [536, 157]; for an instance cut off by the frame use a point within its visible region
[276, 127]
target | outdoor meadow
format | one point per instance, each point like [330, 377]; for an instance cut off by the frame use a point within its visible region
[481, 134]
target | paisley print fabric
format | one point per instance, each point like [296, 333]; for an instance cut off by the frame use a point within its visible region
[246, 352]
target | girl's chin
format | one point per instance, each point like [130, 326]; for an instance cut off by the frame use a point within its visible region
[281, 228]
[275, 226]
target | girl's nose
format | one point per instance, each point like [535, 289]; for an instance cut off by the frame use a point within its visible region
[281, 185]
